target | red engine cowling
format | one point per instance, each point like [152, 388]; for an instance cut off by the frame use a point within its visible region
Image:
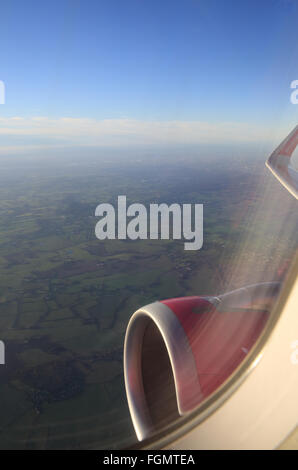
[178, 351]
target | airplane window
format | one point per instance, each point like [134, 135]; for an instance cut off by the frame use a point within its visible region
[143, 241]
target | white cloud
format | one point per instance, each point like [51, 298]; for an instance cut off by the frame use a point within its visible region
[67, 131]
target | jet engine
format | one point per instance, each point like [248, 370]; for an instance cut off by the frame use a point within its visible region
[179, 351]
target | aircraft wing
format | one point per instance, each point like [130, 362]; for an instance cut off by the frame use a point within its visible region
[280, 163]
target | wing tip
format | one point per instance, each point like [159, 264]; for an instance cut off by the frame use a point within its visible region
[279, 163]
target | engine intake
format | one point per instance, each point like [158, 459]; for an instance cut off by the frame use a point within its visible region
[179, 351]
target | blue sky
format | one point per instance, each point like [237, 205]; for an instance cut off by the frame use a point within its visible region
[147, 61]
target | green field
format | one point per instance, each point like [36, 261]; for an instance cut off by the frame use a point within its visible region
[66, 297]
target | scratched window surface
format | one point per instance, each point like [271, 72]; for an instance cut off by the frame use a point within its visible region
[133, 142]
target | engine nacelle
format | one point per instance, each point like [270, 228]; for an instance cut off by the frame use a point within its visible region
[179, 351]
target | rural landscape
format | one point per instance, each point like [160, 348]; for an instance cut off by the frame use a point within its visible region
[66, 297]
